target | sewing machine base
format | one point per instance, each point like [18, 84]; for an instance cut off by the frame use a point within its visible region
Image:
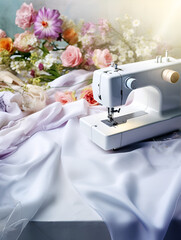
[142, 125]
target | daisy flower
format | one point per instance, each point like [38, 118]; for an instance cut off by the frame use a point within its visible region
[48, 24]
[136, 23]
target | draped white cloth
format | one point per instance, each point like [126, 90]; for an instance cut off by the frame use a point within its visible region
[136, 190]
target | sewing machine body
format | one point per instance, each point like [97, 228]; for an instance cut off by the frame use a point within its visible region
[150, 104]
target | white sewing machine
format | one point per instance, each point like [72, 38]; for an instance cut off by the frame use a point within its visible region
[147, 97]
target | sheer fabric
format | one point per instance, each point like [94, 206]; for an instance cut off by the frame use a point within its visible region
[135, 190]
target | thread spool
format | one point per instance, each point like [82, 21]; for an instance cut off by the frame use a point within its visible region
[170, 76]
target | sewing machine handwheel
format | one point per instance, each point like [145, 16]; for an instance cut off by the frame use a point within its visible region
[130, 83]
[170, 76]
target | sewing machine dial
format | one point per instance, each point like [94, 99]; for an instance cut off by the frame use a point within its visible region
[170, 76]
[130, 83]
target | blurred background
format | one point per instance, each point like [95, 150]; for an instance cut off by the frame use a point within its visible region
[160, 17]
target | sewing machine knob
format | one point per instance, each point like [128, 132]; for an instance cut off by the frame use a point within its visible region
[170, 76]
[130, 83]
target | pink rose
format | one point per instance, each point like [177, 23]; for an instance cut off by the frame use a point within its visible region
[25, 16]
[2, 34]
[71, 57]
[87, 94]
[25, 42]
[102, 58]
[65, 97]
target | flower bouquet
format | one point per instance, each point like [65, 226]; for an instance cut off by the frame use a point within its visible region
[53, 45]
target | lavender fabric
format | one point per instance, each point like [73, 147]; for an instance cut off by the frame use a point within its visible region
[136, 190]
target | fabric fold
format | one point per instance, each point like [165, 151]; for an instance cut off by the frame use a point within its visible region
[10, 108]
[53, 116]
[26, 180]
[135, 190]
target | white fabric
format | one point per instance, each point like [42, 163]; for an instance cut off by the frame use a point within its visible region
[135, 190]
[26, 179]
[66, 203]
[50, 117]
[14, 132]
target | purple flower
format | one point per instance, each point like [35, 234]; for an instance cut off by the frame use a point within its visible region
[48, 24]
[88, 28]
[40, 66]
[32, 73]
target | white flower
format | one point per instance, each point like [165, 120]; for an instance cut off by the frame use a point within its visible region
[121, 59]
[114, 57]
[128, 34]
[18, 66]
[32, 41]
[86, 40]
[147, 51]
[130, 53]
[33, 99]
[113, 48]
[39, 52]
[48, 61]
[153, 45]
[104, 39]
[136, 23]
[37, 63]
[122, 50]
[138, 52]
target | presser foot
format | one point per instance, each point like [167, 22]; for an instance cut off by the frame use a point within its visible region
[122, 119]
[110, 121]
